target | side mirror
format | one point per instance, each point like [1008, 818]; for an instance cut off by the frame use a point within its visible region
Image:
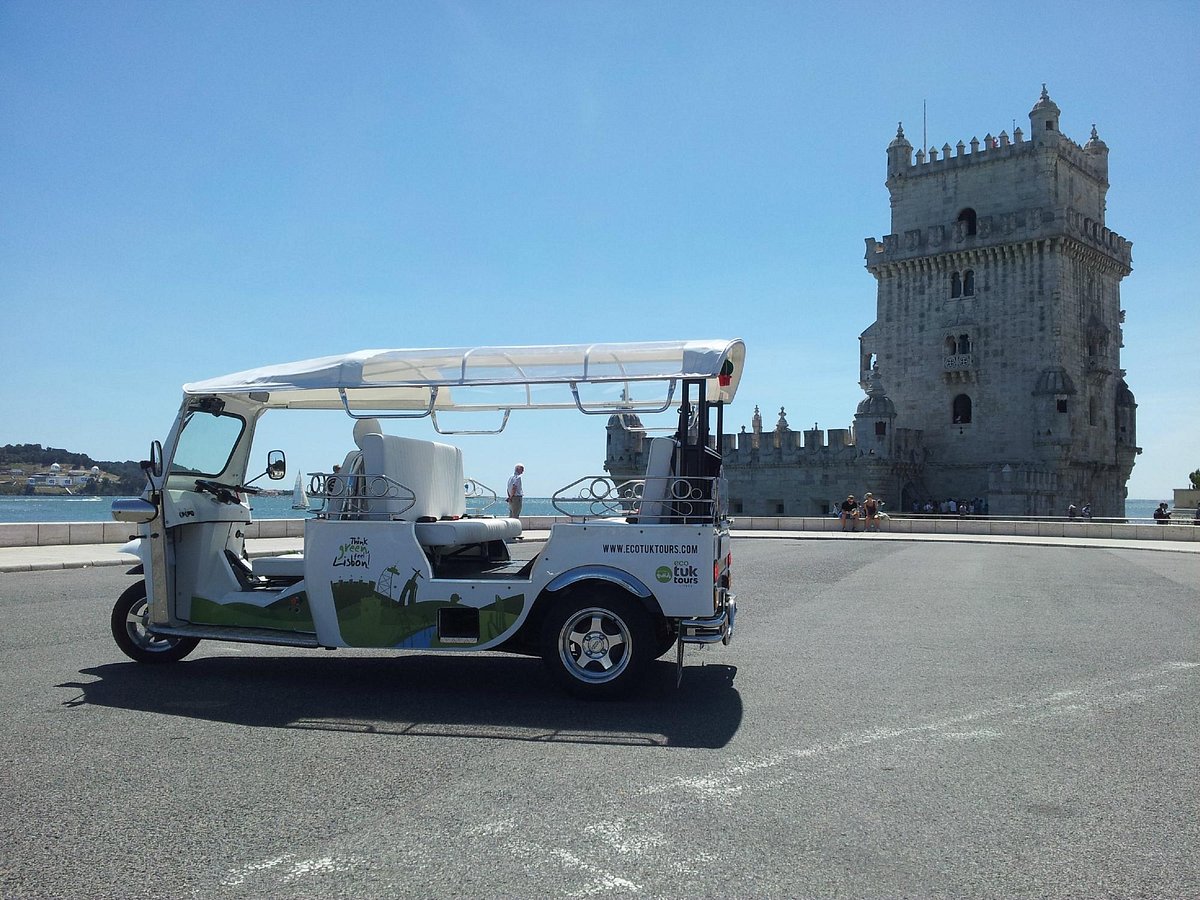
[153, 467]
[276, 465]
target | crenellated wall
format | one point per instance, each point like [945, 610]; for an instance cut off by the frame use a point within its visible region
[992, 150]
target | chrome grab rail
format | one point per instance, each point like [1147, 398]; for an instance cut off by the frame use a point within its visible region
[353, 495]
[480, 497]
[342, 496]
[678, 497]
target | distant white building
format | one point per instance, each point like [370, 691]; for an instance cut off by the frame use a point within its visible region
[56, 477]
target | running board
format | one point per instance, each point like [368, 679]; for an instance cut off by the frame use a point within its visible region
[238, 635]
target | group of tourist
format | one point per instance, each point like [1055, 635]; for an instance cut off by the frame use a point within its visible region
[951, 507]
[1074, 512]
[851, 512]
[1162, 515]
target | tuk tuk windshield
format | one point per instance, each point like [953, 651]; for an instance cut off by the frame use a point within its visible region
[206, 443]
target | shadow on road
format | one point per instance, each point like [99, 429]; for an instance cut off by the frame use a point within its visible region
[490, 697]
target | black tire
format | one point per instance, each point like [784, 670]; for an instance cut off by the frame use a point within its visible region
[129, 630]
[666, 642]
[597, 643]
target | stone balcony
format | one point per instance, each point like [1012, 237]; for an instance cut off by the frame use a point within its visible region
[959, 367]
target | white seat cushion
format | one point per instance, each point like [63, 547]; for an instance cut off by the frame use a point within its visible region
[466, 531]
[289, 565]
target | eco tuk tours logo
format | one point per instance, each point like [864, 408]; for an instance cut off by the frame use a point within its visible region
[679, 572]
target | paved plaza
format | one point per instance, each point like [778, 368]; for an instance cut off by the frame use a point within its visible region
[895, 718]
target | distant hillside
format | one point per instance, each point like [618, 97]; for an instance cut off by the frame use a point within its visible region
[116, 477]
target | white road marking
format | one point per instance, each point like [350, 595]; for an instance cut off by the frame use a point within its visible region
[631, 841]
[292, 870]
[767, 770]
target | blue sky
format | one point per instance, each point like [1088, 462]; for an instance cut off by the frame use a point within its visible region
[190, 189]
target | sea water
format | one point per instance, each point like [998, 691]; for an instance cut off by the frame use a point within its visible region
[38, 508]
[279, 506]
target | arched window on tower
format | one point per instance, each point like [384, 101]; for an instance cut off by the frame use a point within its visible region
[955, 285]
[951, 345]
[969, 283]
[961, 409]
[968, 216]
[964, 343]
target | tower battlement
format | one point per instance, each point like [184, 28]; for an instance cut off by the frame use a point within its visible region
[994, 149]
[1044, 137]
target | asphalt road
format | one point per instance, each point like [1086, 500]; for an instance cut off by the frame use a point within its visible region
[894, 719]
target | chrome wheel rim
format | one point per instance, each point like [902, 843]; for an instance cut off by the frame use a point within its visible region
[135, 627]
[594, 645]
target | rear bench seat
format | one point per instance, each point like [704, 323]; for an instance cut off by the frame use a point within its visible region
[434, 473]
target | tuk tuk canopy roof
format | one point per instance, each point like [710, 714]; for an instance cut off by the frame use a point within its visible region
[593, 377]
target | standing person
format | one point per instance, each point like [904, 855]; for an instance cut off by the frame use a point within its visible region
[1162, 515]
[871, 511]
[849, 512]
[516, 493]
[1071, 511]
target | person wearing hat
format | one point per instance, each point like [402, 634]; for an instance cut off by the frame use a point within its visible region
[870, 512]
[849, 512]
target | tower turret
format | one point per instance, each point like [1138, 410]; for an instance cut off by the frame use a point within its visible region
[875, 420]
[1043, 119]
[899, 153]
[1097, 150]
[626, 447]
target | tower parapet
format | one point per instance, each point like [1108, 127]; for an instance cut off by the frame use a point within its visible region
[1092, 158]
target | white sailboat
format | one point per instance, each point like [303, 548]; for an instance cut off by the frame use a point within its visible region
[299, 496]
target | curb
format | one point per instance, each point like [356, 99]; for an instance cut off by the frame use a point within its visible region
[70, 564]
[1006, 540]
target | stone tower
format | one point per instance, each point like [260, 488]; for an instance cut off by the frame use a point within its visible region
[998, 320]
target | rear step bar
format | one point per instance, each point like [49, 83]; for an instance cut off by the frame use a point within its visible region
[711, 629]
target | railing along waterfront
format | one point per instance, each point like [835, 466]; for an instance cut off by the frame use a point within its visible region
[33, 534]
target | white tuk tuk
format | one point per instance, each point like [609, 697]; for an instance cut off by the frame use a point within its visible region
[395, 558]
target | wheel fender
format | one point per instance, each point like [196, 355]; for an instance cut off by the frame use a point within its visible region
[136, 547]
[600, 573]
[608, 575]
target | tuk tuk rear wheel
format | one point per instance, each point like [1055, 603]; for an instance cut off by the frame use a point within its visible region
[128, 622]
[598, 645]
[665, 645]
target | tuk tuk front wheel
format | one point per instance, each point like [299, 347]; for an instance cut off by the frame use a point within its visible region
[128, 621]
[598, 646]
